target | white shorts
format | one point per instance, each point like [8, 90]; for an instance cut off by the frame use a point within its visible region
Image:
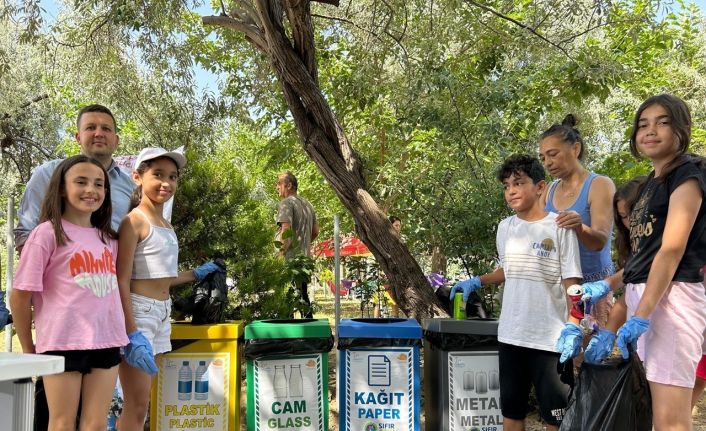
[672, 347]
[152, 318]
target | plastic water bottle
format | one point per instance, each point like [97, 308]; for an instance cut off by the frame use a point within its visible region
[186, 379]
[201, 382]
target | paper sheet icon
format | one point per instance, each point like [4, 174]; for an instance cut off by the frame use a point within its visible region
[378, 370]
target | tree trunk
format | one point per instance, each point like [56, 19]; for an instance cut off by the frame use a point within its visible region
[294, 62]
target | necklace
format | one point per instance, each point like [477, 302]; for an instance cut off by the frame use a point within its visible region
[570, 193]
[567, 193]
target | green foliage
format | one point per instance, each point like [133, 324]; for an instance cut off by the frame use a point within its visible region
[432, 94]
[215, 215]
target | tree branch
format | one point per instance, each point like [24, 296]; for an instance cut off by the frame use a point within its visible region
[523, 26]
[299, 16]
[405, 60]
[590, 29]
[251, 32]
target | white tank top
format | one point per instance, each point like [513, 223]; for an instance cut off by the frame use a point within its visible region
[157, 255]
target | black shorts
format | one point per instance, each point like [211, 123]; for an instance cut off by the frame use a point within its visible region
[84, 361]
[522, 367]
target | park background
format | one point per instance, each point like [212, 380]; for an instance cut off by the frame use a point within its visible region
[429, 96]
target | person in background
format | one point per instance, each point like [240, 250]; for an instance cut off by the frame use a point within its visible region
[664, 282]
[583, 202]
[396, 224]
[538, 261]
[67, 271]
[601, 344]
[296, 215]
[147, 267]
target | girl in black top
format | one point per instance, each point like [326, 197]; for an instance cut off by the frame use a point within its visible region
[664, 284]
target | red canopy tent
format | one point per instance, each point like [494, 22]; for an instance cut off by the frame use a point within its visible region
[350, 246]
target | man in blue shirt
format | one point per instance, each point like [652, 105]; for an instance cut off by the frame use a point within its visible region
[98, 138]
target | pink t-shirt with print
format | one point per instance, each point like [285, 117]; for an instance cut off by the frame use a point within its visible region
[75, 289]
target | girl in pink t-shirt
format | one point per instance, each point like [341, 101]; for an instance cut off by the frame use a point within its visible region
[67, 272]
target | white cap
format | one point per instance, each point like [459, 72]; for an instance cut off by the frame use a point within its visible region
[151, 153]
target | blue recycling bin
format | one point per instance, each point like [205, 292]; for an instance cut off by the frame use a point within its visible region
[379, 374]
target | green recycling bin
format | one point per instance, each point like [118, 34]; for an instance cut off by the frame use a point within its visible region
[287, 374]
[461, 380]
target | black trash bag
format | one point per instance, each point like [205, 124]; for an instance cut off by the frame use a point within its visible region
[263, 347]
[612, 396]
[207, 303]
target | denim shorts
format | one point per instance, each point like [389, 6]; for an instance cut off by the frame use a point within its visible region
[152, 317]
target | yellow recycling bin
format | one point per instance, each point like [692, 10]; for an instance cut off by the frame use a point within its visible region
[198, 384]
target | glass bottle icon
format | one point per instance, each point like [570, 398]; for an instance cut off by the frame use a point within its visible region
[296, 382]
[186, 378]
[280, 382]
[201, 382]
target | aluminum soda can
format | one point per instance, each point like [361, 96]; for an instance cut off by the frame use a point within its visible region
[575, 292]
[459, 307]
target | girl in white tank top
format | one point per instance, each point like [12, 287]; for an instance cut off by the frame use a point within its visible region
[148, 254]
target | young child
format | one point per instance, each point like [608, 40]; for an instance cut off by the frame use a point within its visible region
[67, 271]
[538, 261]
[664, 285]
[147, 268]
[601, 344]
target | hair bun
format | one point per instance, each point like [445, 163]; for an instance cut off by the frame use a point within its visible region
[570, 120]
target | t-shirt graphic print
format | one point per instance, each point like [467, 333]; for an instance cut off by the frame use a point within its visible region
[97, 275]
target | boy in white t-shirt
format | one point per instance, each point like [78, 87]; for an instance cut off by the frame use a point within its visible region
[538, 261]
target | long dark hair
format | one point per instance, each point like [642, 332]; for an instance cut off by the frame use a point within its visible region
[54, 203]
[568, 133]
[680, 118]
[628, 193]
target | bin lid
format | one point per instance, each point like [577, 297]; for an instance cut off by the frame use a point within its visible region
[288, 328]
[186, 331]
[379, 328]
[455, 326]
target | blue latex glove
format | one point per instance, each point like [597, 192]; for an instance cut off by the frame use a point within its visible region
[600, 346]
[594, 291]
[630, 332]
[465, 286]
[139, 354]
[569, 342]
[202, 271]
[4, 314]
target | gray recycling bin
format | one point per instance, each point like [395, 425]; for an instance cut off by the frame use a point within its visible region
[461, 379]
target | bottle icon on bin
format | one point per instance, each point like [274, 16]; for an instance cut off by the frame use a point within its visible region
[201, 382]
[186, 379]
[280, 382]
[296, 382]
